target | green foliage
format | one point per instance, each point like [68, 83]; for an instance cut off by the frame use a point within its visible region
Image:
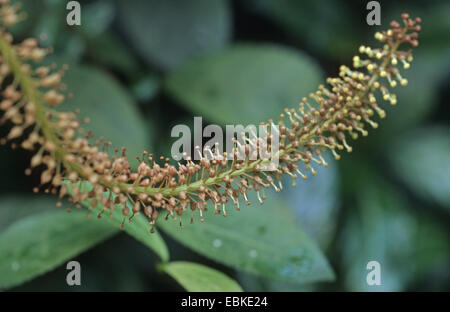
[39, 242]
[262, 240]
[314, 202]
[138, 228]
[421, 158]
[195, 277]
[167, 33]
[380, 227]
[266, 78]
[110, 51]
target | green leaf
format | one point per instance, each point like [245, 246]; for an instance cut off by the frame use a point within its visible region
[97, 17]
[111, 109]
[262, 240]
[198, 278]
[421, 158]
[245, 83]
[383, 228]
[37, 243]
[15, 207]
[108, 50]
[146, 88]
[51, 23]
[138, 227]
[167, 33]
[315, 202]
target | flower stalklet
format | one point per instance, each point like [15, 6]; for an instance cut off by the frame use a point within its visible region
[71, 163]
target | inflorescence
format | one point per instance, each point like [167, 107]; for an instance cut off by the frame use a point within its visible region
[67, 157]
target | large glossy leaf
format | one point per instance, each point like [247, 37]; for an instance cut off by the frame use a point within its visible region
[315, 202]
[42, 239]
[245, 83]
[167, 33]
[111, 109]
[196, 277]
[421, 158]
[138, 227]
[262, 240]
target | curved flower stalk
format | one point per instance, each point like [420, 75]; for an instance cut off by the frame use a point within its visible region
[327, 119]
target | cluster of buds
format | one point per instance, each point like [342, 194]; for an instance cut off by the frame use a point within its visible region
[68, 158]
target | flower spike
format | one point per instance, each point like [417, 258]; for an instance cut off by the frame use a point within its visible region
[327, 119]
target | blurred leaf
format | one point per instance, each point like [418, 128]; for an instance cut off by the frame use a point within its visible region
[97, 17]
[315, 202]
[105, 277]
[109, 50]
[383, 228]
[111, 109]
[421, 158]
[146, 88]
[198, 278]
[15, 207]
[52, 21]
[138, 227]
[40, 242]
[327, 26]
[165, 142]
[255, 283]
[436, 26]
[167, 33]
[245, 83]
[119, 250]
[262, 240]
[72, 47]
